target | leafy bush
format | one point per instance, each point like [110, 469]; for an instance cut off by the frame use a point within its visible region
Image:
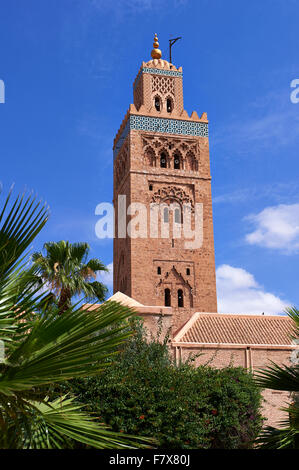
[183, 407]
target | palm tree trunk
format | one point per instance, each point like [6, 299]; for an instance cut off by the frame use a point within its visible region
[64, 300]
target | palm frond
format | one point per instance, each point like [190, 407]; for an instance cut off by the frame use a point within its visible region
[279, 377]
[284, 378]
[74, 345]
[19, 226]
[64, 418]
[272, 438]
[42, 348]
[99, 291]
[24, 221]
[95, 265]
[79, 251]
[293, 313]
[68, 273]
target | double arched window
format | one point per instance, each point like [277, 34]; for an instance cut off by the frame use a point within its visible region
[167, 297]
[191, 162]
[177, 162]
[178, 215]
[157, 103]
[169, 105]
[150, 157]
[180, 298]
[166, 215]
[163, 161]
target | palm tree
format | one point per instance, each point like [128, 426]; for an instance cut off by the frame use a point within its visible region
[42, 349]
[65, 269]
[283, 378]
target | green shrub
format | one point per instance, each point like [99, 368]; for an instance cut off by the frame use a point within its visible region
[144, 393]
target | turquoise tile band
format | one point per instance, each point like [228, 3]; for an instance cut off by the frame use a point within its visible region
[162, 125]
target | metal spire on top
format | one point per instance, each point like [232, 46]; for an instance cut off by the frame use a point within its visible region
[156, 53]
[171, 43]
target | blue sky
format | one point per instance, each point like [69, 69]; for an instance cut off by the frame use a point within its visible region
[68, 68]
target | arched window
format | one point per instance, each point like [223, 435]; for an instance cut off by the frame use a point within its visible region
[163, 160]
[191, 161]
[166, 215]
[177, 216]
[159, 270]
[167, 297]
[169, 105]
[180, 298]
[177, 162]
[157, 103]
[188, 271]
[150, 158]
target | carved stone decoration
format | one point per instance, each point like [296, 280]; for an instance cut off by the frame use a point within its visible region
[163, 84]
[138, 95]
[121, 163]
[174, 280]
[186, 148]
[150, 156]
[170, 193]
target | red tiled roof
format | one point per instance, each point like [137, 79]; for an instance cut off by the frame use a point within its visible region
[212, 328]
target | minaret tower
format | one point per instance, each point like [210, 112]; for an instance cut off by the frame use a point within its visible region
[161, 156]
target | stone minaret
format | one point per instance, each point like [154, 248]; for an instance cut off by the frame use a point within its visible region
[161, 156]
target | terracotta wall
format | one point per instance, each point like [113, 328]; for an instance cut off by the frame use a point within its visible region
[260, 358]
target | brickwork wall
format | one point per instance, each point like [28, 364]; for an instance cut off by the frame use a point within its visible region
[154, 323]
[142, 183]
[121, 246]
[138, 175]
[260, 358]
[151, 85]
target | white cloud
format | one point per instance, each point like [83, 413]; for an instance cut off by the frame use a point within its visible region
[239, 292]
[276, 227]
[107, 278]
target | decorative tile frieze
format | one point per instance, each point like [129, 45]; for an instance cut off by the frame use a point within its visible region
[162, 125]
[171, 73]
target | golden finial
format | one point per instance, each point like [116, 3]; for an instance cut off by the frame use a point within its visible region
[156, 53]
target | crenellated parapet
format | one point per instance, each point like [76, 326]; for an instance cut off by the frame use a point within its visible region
[158, 103]
[162, 166]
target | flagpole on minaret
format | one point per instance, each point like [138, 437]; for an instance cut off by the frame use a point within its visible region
[171, 43]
